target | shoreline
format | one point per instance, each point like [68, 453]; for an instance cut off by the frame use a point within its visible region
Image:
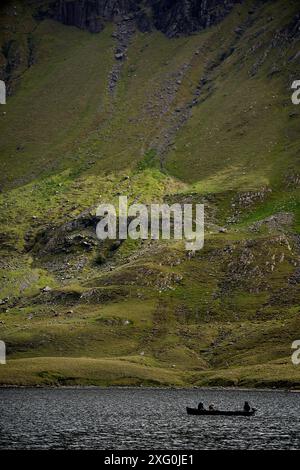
[124, 387]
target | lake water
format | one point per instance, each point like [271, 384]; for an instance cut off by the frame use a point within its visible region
[132, 419]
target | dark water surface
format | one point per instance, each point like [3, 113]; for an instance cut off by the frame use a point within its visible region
[92, 418]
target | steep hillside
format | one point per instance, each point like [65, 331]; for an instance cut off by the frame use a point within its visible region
[184, 101]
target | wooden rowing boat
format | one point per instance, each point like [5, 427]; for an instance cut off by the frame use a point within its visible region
[195, 411]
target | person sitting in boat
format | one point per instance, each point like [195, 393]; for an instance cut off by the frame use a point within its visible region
[200, 406]
[211, 407]
[247, 407]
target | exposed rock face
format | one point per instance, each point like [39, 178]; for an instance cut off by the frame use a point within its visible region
[173, 17]
[15, 58]
[179, 17]
[91, 14]
[124, 30]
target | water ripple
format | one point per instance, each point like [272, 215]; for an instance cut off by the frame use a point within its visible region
[125, 419]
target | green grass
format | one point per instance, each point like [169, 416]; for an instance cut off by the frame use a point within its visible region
[84, 371]
[145, 313]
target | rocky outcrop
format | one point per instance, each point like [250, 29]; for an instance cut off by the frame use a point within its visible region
[124, 30]
[174, 18]
[91, 14]
[16, 56]
[182, 17]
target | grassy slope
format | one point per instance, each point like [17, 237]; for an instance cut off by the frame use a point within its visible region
[149, 315]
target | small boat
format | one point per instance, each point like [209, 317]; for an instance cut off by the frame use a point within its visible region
[195, 411]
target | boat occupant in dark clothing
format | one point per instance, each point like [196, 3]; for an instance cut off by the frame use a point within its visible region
[247, 407]
[211, 407]
[200, 407]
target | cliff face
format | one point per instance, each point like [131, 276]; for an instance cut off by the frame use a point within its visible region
[182, 17]
[174, 18]
[91, 14]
